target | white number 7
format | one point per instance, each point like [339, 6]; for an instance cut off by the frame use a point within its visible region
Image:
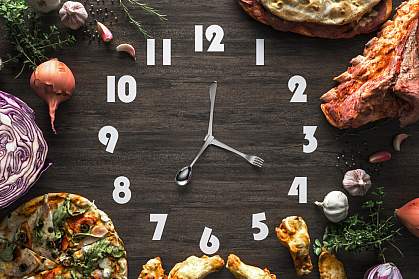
[257, 224]
[309, 132]
[299, 188]
[161, 222]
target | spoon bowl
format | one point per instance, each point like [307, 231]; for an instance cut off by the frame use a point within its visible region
[183, 176]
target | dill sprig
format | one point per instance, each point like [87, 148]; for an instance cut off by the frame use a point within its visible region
[31, 40]
[146, 8]
[358, 233]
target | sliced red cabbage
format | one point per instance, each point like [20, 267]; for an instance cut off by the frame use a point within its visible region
[23, 149]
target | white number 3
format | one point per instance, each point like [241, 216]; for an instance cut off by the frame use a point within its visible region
[309, 132]
[262, 227]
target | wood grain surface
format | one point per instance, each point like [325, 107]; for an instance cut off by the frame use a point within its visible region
[162, 130]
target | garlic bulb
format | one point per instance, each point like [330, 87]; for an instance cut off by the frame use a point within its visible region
[44, 6]
[357, 182]
[335, 206]
[73, 15]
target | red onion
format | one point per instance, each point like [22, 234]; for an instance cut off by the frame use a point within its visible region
[23, 149]
[408, 214]
[383, 271]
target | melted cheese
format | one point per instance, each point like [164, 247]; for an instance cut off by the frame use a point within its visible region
[330, 12]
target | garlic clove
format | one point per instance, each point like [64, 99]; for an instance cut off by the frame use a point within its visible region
[104, 32]
[398, 140]
[335, 206]
[380, 157]
[357, 182]
[128, 49]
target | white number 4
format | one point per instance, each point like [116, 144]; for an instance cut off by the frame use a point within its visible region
[299, 188]
[309, 132]
[160, 219]
[257, 223]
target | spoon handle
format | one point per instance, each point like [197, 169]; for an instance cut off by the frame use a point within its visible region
[229, 148]
[212, 91]
[207, 142]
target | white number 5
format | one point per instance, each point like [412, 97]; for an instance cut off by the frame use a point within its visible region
[262, 227]
[309, 132]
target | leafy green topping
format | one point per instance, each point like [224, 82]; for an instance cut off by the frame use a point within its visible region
[358, 233]
[6, 250]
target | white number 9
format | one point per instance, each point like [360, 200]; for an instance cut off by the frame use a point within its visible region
[108, 136]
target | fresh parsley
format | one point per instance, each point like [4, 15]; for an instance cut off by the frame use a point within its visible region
[359, 233]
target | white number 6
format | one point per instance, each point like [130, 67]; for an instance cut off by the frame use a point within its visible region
[209, 243]
[257, 224]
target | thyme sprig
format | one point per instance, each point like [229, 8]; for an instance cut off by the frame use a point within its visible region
[31, 40]
[146, 8]
[359, 233]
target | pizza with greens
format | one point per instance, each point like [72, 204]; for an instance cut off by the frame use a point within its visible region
[59, 236]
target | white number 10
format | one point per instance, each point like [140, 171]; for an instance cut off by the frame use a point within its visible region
[123, 95]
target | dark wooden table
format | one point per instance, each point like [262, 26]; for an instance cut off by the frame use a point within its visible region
[162, 130]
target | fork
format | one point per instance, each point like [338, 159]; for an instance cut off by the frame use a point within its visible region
[254, 160]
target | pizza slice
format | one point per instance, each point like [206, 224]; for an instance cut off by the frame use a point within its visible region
[293, 234]
[17, 262]
[153, 269]
[105, 258]
[196, 268]
[53, 223]
[241, 270]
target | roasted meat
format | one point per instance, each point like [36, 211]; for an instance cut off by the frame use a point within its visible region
[330, 267]
[241, 270]
[384, 81]
[153, 269]
[366, 24]
[196, 268]
[293, 234]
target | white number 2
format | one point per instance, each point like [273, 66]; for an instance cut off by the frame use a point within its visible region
[160, 219]
[258, 224]
[214, 35]
[108, 136]
[297, 85]
[309, 132]
[209, 243]
[121, 186]
[299, 188]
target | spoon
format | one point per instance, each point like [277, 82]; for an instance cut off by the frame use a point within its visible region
[184, 175]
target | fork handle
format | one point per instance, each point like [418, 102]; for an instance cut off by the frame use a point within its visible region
[226, 147]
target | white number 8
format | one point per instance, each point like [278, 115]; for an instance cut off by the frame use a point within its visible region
[121, 186]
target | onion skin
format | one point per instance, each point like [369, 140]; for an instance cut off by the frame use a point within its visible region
[54, 82]
[408, 215]
[383, 271]
[23, 149]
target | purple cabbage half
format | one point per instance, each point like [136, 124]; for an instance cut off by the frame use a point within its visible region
[383, 271]
[23, 149]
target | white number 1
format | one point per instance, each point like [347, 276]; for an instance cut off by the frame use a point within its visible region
[160, 219]
[299, 188]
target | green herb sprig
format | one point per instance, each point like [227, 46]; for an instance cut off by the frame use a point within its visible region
[30, 38]
[146, 8]
[358, 233]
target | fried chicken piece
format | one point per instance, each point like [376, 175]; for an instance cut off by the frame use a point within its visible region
[196, 268]
[330, 267]
[153, 269]
[293, 234]
[241, 270]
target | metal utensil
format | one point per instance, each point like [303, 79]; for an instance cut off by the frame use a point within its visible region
[184, 175]
[254, 160]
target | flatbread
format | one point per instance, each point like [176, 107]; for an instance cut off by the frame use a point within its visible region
[329, 12]
[366, 24]
[57, 225]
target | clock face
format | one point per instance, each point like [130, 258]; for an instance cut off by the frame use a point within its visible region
[131, 126]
